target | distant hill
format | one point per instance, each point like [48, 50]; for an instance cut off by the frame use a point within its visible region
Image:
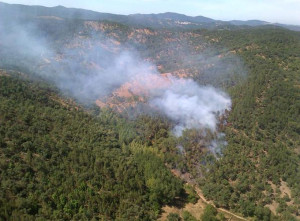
[161, 20]
[16, 10]
[249, 22]
[63, 160]
[261, 23]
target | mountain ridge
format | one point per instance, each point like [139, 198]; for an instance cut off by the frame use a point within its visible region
[159, 20]
[61, 159]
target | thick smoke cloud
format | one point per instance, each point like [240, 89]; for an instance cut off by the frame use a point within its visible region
[192, 106]
[92, 67]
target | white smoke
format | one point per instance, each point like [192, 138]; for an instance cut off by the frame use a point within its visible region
[183, 101]
[90, 68]
[192, 106]
[217, 144]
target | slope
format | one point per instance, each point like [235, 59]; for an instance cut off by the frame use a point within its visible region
[59, 162]
[260, 166]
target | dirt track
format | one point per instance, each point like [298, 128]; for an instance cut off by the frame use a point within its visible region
[187, 178]
[199, 192]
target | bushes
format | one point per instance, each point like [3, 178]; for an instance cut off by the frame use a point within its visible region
[65, 164]
[262, 133]
[209, 214]
[173, 217]
[192, 194]
[188, 217]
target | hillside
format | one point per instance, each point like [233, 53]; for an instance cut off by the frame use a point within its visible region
[162, 20]
[58, 162]
[64, 157]
[260, 165]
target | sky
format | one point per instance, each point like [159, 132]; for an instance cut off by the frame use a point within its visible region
[281, 11]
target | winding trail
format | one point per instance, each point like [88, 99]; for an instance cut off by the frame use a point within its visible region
[199, 192]
[187, 178]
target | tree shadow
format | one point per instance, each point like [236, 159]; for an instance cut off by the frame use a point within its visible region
[179, 201]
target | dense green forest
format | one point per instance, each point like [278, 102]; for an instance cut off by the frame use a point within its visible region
[64, 160]
[59, 162]
[263, 137]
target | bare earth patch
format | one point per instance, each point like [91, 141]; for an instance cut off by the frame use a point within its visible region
[195, 209]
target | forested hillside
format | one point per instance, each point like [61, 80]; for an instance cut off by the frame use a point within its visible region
[65, 158]
[260, 165]
[58, 162]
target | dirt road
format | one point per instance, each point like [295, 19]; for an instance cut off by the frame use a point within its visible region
[199, 192]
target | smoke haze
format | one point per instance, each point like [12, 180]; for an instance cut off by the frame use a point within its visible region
[90, 68]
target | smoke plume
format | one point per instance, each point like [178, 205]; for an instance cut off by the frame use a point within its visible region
[92, 67]
[191, 106]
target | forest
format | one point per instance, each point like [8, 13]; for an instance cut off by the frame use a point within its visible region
[263, 142]
[59, 162]
[64, 159]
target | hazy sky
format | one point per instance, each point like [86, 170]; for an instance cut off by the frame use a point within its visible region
[282, 11]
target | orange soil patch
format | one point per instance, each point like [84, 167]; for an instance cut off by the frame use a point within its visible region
[3, 73]
[130, 93]
[261, 56]
[273, 207]
[214, 40]
[285, 189]
[252, 46]
[143, 85]
[51, 17]
[97, 26]
[135, 91]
